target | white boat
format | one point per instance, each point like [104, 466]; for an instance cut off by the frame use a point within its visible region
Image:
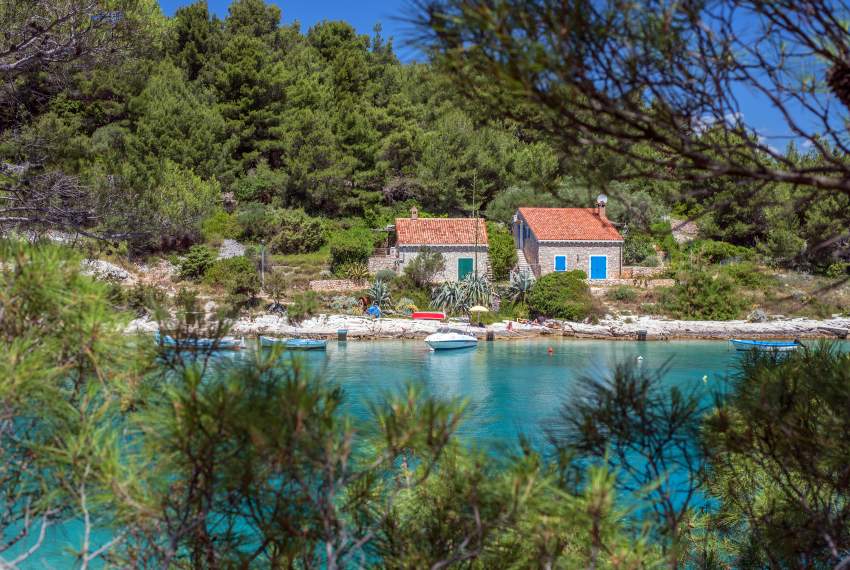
[765, 345]
[452, 340]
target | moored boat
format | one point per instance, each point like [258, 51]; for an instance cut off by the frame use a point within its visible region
[450, 341]
[269, 341]
[306, 344]
[765, 345]
[224, 343]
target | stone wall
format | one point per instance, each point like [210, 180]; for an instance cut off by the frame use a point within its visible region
[337, 285]
[599, 286]
[382, 262]
[636, 272]
[578, 256]
[451, 254]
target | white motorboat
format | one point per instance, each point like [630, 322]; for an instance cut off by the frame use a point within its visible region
[450, 340]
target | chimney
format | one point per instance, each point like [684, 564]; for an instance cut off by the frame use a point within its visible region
[601, 202]
[414, 213]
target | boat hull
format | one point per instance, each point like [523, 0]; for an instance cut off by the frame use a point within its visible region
[764, 345]
[168, 341]
[452, 344]
[306, 344]
[428, 316]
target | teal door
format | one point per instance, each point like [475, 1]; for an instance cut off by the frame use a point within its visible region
[598, 267]
[464, 267]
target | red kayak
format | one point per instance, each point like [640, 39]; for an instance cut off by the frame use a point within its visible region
[429, 316]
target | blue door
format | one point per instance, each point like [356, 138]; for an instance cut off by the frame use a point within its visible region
[598, 267]
[560, 263]
[464, 267]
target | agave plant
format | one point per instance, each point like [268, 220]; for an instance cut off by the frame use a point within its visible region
[449, 296]
[477, 290]
[521, 284]
[379, 293]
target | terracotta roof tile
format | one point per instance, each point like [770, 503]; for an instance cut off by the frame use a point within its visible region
[557, 224]
[440, 231]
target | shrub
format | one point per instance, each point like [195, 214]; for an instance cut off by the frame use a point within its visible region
[503, 255]
[621, 293]
[379, 293]
[254, 220]
[196, 262]
[425, 267]
[144, 299]
[236, 275]
[747, 274]
[221, 225]
[715, 251]
[386, 275]
[295, 232]
[561, 295]
[837, 269]
[345, 304]
[450, 297]
[350, 246]
[406, 305]
[477, 290]
[358, 271]
[275, 286]
[303, 307]
[638, 249]
[703, 295]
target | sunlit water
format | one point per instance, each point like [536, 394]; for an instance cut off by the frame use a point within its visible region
[513, 387]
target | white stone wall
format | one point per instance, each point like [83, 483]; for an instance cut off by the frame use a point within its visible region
[578, 256]
[451, 254]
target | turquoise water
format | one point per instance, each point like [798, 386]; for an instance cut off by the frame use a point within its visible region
[513, 387]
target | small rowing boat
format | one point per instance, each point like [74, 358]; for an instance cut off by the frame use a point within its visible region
[306, 344]
[450, 341]
[765, 345]
[224, 343]
[269, 341]
[428, 316]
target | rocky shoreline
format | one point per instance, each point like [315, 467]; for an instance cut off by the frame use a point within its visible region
[639, 328]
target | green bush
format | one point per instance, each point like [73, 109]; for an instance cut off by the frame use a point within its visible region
[503, 255]
[196, 262]
[236, 275]
[221, 225]
[350, 246]
[295, 232]
[425, 267]
[747, 274]
[622, 293]
[254, 220]
[703, 295]
[379, 294]
[561, 295]
[386, 275]
[715, 251]
[638, 249]
[303, 307]
[354, 271]
[837, 269]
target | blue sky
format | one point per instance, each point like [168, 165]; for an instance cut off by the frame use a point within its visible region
[364, 14]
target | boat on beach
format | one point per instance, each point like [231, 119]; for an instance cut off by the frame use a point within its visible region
[428, 316]
[765, 345]
[224, 343]
[450, 341]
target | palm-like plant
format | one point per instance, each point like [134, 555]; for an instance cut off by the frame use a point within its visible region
[477, 290]
[379, 293]
[521, 284]
[449, 296]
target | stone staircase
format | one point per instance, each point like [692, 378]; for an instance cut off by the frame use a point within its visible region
[522, 264]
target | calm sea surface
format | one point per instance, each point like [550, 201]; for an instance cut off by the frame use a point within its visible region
[513, 387]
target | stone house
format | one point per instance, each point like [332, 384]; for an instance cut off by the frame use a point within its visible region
[564, 239]
[461, 241]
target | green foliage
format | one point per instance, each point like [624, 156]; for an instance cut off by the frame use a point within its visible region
[502, 251]
[703, 295]
[837, 269]
[350, 246]
[379, 294]
[295, 232]
[195, 264]
[145, 299]
[711, 251]
[460, 296]
[345, 304]
[303, 306]
[275, 285]
[356, 272]
[221, 225]
[638, 249]
[425, 267]
[622, 293]
[236, 275]
[386, 275]
[561, 295]
[521, 284]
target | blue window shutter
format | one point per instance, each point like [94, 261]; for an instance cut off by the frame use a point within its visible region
[560, 263]
[598, 267]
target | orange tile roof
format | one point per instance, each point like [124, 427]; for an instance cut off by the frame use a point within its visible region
[561, 224]
[440, 231]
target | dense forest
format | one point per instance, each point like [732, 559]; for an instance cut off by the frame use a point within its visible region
[199, 113]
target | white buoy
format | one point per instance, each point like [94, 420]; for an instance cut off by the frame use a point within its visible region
[705, 379]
